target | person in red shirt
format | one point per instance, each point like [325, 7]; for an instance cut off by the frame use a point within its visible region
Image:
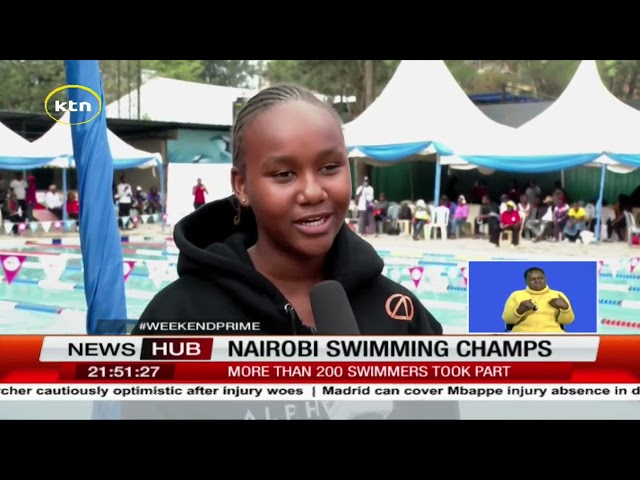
[199, 191]
[510, 221]
[73, 207]
[31, 198]
[14, 213]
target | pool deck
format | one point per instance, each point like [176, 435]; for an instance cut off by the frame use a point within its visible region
[470, 248]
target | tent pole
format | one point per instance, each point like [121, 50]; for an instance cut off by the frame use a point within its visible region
[599, 205]
[562, 178]
[163, 195]
[65, 214]
[438, 179]
[413, 194]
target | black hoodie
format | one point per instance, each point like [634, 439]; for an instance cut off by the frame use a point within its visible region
[218, 283]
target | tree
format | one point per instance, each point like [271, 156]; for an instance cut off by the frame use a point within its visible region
[26, 83]
[548, 78]
[334, 78]
[231, 73]
[621, 77]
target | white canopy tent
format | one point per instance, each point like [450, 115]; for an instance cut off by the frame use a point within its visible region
[57, 143]
[586, 125]
[421, 103]
[585, 121]
[18, 153]
[422, 110]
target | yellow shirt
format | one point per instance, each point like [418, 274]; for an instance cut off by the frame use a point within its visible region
[545, 319]
[580, 214]
[422, 215]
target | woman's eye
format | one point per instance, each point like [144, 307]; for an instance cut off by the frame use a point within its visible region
[281, 175]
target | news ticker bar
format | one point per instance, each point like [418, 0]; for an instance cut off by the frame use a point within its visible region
[572, 359]
[332, 393]
[578, 359]
[558, 348]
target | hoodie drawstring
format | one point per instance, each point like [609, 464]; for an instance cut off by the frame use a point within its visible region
[288, 308]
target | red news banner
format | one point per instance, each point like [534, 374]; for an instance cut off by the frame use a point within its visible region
[318, 359]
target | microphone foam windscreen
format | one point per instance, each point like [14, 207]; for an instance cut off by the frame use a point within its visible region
[332, 310]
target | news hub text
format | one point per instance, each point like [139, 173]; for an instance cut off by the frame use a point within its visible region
[201, 349]
[249, 348]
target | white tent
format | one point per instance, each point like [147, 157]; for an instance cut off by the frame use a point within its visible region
[57, 143]
[422, 103]
[17, 153]
[585, 121]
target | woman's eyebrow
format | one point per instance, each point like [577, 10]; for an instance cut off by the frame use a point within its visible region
[281, 160]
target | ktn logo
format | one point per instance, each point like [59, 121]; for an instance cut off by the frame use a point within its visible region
[91, 102]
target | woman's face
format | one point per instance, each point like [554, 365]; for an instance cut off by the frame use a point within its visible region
[296, 177]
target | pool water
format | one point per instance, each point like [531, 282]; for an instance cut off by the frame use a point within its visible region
[37, 304]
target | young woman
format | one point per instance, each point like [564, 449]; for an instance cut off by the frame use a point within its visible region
[254, 257]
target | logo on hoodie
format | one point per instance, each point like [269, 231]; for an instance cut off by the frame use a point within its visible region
[399, 307]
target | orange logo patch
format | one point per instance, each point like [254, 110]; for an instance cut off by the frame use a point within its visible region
[399, 307]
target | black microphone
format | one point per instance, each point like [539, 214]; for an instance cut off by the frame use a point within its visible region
[332, 310]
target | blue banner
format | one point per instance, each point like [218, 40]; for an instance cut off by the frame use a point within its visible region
[99, 234]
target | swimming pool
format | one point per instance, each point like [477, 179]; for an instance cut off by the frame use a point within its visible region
[46, 296]
[41, 300]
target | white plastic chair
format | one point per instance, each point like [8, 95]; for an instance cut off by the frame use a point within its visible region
[439, 220]
[632, 227]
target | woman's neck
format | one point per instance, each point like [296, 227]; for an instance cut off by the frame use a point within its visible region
[538, 292]
[282, 267]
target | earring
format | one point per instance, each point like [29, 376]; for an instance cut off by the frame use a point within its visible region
[236, 218]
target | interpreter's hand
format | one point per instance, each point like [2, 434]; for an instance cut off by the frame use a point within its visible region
[559, 303]
[525, 306]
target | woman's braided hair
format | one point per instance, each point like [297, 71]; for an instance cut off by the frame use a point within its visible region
[261, 102]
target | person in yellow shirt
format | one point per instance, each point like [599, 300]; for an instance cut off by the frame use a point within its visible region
[576, 222]
[420, 218]
[537, 308]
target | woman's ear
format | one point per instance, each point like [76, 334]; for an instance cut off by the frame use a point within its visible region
[238, 184]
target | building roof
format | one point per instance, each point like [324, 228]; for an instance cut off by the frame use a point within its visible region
[168, 100]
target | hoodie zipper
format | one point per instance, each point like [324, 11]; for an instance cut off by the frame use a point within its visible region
[293, 316]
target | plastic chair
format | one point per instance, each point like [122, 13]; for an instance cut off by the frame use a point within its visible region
[404, 226]
[439, 220]
[509, 234]
[632, 227]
